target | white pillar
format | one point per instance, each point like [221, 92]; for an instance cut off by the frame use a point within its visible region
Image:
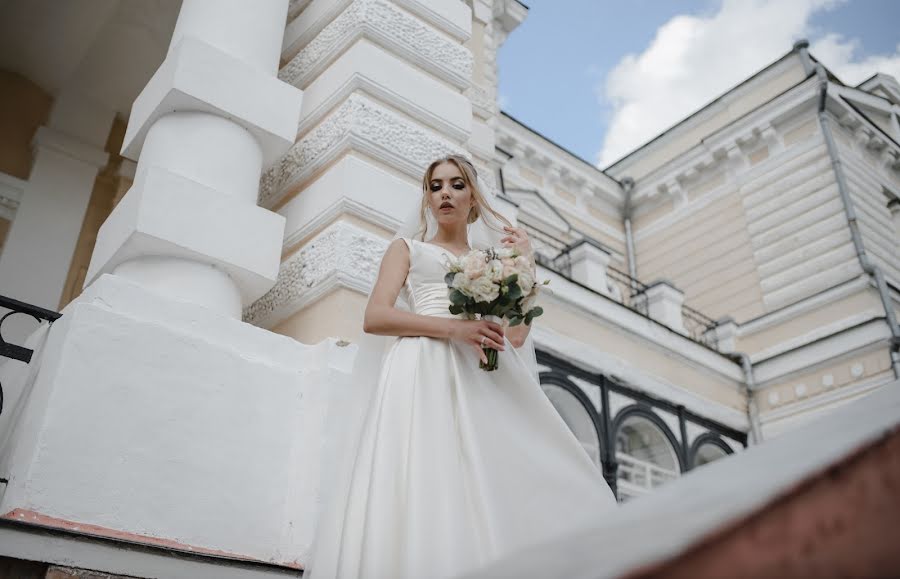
[664, 302]
[201, 130]
[589, 262]
[725, 334]
[40, 243]
[214, 425]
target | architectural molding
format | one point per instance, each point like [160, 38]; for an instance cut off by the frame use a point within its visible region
[722, 145]
[385, 24]
[869, 334]
[743, 183]
[483, 102]
[453, 119]
[343, 206]
[342, 255]
[620, 168]
[791, 411]
[362, 124]
[11, 189]
[49, 138]
[804, 306]
[575, 174]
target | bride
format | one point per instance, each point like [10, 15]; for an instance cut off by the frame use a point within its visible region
[445, 467]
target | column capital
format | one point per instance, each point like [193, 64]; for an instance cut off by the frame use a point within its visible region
[49, 138]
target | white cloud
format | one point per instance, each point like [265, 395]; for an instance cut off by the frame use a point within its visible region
[841, 57]
[693, 59]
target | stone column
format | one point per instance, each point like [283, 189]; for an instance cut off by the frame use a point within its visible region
[201, 130]
[385, 92]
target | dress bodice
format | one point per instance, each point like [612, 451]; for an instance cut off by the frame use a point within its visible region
[425, 289]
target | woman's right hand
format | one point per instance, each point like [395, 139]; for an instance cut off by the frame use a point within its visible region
[479, 334]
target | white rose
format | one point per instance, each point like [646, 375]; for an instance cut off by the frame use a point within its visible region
[495, 270]
[473, 264]
[526, 273]
[483, 289]
[459, 281]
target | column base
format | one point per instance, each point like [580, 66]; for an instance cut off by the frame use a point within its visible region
[165, 423]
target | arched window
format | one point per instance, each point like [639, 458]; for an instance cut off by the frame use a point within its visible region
[707, 448]
[576, 412]
[645, 451]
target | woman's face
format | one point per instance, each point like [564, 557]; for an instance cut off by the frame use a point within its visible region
[449, 197]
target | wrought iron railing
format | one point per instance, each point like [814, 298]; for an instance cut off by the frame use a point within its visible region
[637, 477]
[14, 351]
[553, 253]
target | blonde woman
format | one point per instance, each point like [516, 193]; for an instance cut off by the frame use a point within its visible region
[446, 467]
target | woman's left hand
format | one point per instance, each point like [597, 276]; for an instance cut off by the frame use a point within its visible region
[518, 238]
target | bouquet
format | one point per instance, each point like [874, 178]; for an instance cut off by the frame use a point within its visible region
[494, 282]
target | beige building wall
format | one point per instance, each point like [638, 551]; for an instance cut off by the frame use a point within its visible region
[830, 316]
[804, 396]
[867, 185]
[337, 314]
[705, 250]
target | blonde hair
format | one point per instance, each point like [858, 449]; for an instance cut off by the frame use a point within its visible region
[470, 177]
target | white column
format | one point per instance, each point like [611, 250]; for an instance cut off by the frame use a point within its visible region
[202, 129]
[213, 425]
[589, 262]
[725, 334]
[664, 302]
[35, 261]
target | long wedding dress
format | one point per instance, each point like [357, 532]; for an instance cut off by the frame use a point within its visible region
[453, 466]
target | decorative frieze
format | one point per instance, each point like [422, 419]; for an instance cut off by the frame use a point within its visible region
[341, 256]
[362, 124]
[384, 23]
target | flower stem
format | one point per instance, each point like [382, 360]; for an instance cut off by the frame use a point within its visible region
[492, 361]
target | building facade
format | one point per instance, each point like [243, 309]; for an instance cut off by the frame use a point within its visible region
[203, 190]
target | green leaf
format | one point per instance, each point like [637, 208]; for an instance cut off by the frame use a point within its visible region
[514, 292]
[456, 309]
[536, 311]
[511, 279]
[457, 297]
[448, 278]
[514, 322]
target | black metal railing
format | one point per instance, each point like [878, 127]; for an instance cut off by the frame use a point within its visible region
[553, 253]
[635, 403]
[14, 351]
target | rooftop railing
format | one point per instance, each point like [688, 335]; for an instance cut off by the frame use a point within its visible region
[556, 255]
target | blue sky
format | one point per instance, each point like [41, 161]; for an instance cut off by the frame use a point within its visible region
[584, 72]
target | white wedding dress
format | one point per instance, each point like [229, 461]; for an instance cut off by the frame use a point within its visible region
[454, 466]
